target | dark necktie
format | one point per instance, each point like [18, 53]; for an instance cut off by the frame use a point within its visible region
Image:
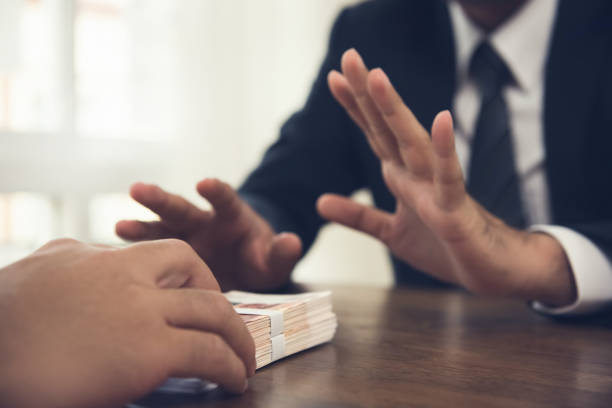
[492, 176]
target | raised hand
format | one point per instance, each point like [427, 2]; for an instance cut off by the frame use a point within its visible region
[94, 326]
[437, 226]
[240, 247]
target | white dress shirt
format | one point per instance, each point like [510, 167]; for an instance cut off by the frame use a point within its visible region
[523, 43]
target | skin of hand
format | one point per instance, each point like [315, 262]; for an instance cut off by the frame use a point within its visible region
[437, 227]
[240, 247]
[94, 326]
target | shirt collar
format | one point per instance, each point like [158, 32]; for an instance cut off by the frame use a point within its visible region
[522, 41]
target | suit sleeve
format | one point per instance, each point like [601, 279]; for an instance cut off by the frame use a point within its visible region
[313, 155]
[588, 244]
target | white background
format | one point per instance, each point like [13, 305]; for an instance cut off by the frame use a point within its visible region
[97, 94]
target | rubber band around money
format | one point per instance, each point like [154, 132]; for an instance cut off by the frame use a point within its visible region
[278, 347]
[276, 318]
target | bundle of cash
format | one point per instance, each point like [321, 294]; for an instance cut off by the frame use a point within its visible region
[280, 325]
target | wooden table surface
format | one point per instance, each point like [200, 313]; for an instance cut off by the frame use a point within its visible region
[430, 348]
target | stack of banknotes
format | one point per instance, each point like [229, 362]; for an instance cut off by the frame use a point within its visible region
[281, 325]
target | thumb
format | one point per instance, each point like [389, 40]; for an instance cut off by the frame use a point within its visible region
[353, 215]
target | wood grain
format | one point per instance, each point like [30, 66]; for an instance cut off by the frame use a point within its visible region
[435, 348]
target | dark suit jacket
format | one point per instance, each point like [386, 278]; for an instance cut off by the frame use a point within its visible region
[320, 150]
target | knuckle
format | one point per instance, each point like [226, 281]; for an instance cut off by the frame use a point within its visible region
[227, 311]
[383, 232]
[62, 242]
[223, 309]
[377, 128]
[360, 218]
[228, 196]
[191, 304]
[180, 246]
[226, 187]
[195, 351]
[182, 208]
[218, 350]
[405, 143]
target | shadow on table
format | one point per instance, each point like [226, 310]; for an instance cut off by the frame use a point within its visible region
[158, 400]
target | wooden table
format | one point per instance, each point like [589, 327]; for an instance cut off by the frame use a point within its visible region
[441, 348]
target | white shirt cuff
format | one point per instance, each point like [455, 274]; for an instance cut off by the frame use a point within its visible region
[591, 268]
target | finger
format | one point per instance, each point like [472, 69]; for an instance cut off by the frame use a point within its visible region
[448, 177]
[354, 215]
[274, 257]
[169, 263]
[176, 213]
[380, 136]
[225, 201]
[341, 90]
[210, 312]
[206, 356]
[411, 137]
[133, 230]
[284, 252]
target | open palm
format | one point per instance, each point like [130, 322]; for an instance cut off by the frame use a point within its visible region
[437, 226]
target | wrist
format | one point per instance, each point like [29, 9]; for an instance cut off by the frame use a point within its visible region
[555, 284]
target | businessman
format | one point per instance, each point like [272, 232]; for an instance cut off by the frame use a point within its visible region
[94, 326]
[507, 195]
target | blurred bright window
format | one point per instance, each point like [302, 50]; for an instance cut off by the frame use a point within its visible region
[31, 55]
[98, 94]
[104, 68]
[74, 76]
[125, 69]
[106, 209]
[26, 221]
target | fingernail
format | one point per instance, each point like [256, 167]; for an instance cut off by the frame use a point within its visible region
[382, 74]
[445, 114]
[351, 51]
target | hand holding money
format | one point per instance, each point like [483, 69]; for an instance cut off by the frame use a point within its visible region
[281, 325]
[86, 326]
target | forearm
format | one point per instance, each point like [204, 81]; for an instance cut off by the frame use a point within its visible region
[495, 259]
